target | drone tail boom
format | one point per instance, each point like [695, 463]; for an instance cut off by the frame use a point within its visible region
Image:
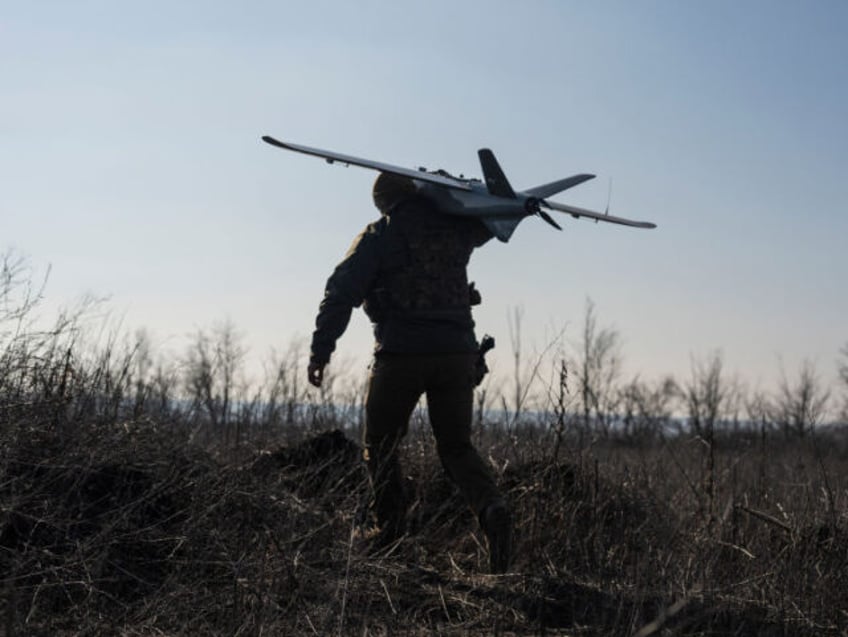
[548, 190]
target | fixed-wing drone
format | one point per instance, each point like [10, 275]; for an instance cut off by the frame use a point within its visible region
[496, 204]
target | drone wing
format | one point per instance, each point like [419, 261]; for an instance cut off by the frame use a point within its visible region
[331, 157]
[576, 212]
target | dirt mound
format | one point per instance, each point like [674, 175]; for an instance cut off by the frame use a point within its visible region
[71, 531]
[322, 466]
[99, 531]
[579, 521]
[323, 452]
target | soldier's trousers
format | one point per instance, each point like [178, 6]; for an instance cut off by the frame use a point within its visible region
[396, 383]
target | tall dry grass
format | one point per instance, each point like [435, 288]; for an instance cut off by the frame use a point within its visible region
[142, 496]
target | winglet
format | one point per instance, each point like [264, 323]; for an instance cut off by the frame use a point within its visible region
[496, 181]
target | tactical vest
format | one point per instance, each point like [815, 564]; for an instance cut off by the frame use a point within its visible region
[423, 268]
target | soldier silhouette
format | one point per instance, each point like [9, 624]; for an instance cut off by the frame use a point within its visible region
[408, 271]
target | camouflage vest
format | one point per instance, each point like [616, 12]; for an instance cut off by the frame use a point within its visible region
[423, 273]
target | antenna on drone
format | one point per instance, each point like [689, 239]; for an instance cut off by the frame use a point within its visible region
[609, 198]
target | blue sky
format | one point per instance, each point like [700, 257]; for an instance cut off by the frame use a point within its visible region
[131, 162]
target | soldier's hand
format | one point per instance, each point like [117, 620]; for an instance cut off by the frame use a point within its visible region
[316, 374]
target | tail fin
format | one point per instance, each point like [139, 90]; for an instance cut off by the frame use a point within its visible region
[496, 181]
[501, 227]
[546, 190]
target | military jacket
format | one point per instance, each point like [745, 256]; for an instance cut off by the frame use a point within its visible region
[408, 270]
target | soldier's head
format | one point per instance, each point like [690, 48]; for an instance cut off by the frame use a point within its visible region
[390, 190]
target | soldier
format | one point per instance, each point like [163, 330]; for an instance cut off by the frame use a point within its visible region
[408, 270]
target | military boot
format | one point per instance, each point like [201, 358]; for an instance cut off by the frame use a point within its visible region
[497, 525]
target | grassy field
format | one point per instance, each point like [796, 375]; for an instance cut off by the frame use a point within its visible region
[145, 497]
[130, 528]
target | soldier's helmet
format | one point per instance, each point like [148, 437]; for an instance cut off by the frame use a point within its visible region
[390, 190]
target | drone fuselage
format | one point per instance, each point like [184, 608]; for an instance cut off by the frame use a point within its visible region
[476, 202]
[501, 214]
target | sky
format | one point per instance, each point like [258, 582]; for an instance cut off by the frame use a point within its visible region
[131, 164]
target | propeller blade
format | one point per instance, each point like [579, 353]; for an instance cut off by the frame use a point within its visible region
[544, 215]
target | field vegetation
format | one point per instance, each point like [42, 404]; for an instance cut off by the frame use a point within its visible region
[146, 496]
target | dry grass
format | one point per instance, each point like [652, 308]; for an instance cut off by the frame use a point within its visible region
[127, 528]
[141, 497]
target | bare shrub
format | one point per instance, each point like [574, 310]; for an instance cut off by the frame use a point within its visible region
[213, 369]
[598, 368]
[842, 366]
[801, 406]
[711, 398]
[647, 411]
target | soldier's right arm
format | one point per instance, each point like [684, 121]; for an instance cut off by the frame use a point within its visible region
[346, 288]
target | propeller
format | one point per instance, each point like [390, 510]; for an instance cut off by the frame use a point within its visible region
[533, 207]
[544, 215]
